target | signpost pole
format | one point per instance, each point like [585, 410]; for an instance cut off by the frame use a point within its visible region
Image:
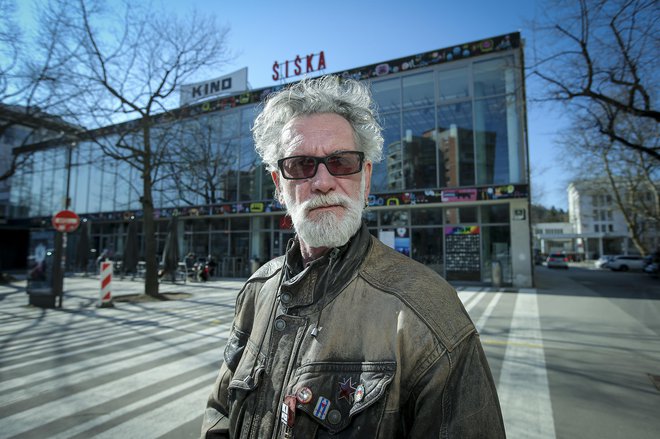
[60, 238]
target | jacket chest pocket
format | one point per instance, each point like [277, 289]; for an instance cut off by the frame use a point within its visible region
[332, 396]
[245, 380]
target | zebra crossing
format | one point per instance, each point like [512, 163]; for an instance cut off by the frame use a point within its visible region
[137, 370]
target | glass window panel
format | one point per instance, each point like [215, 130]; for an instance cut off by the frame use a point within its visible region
[453, 84]
[427, 248]
[249, 166]
[398, 218]
[242, 223]
[416, 163]
[237, 264]
[496, 247]
[492, 141]
[380, 179]
[456, 144]
[461, 215]
[418, 90]
[230, 124]
[498, 213]
[426, 216]
[493, 77]
[370, 217]
[228, 168]
[247, 119]
[387, 94]
[266, 183]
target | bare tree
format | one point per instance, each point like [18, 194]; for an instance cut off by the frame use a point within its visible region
[127, 63]
[25, 91]
[600, 57]
[631, 179]
[205, 169]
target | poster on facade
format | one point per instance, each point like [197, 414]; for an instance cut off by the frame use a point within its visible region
[402, 241]
[462, 253]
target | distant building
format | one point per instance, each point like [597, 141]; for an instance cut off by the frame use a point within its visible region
[600, 222]
[554, 238]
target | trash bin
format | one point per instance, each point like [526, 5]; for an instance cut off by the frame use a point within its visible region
[496, 274]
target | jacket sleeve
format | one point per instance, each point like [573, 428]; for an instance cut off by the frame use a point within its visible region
[216, 417]
[456, 397]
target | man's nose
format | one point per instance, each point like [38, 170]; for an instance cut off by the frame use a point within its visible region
[323, 181]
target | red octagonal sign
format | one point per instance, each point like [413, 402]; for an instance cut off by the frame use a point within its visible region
[65, 221]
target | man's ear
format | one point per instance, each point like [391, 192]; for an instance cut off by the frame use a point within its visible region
[368, 168]
[278, 190]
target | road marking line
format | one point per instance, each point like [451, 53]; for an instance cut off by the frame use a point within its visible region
[523, 388]
[488, 311]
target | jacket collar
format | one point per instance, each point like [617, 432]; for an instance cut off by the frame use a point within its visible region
[322, 279]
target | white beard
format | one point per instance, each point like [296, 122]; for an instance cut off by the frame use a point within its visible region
[327, 229]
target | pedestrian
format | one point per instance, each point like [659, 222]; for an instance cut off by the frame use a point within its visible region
[342, 336]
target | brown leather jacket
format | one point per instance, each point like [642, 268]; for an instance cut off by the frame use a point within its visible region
[380, 345]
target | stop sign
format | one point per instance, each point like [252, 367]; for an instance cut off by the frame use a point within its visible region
[65, 221]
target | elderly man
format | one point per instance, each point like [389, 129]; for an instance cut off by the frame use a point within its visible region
[342, 336]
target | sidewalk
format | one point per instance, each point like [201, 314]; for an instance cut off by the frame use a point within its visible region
[88, 289]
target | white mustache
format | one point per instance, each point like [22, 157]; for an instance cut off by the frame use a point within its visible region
[326, 200]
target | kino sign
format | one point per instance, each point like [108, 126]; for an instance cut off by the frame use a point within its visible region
[232, 83]
[65, 221]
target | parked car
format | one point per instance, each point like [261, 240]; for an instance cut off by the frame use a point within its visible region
[604, 261]
[653, 269]
[557, 260]
[627, 262]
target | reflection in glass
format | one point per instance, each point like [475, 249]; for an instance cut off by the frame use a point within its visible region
[414, 166]
[453, 84]
[497, 151]
[391, 124]
[418, 90]
[456, 144]
[398, 218]
[387, 94]
[494, 77]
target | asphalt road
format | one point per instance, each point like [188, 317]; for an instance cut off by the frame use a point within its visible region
[601, 337]
[571, 358]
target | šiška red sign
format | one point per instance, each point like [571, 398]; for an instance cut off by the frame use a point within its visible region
[290, 68]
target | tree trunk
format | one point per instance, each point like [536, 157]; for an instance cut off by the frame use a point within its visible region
[151, 275]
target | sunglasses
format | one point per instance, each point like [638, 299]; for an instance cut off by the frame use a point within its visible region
[299, 167]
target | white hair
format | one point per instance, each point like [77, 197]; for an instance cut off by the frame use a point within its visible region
[347, 98]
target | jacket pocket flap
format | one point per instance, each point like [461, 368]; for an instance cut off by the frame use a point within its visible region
[248, 371]
[340, 390]
[235, 347]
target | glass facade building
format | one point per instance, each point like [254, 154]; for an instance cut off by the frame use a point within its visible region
[451, 191]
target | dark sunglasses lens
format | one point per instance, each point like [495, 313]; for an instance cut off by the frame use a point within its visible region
[344, 163]
[299, 167]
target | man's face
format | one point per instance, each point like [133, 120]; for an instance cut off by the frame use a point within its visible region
[326, 210]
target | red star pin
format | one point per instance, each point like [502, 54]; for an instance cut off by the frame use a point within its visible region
[346, 390]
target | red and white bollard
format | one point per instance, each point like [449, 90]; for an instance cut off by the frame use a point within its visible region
[106, 285]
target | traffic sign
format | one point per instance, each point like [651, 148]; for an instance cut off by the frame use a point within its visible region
[65, 221]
